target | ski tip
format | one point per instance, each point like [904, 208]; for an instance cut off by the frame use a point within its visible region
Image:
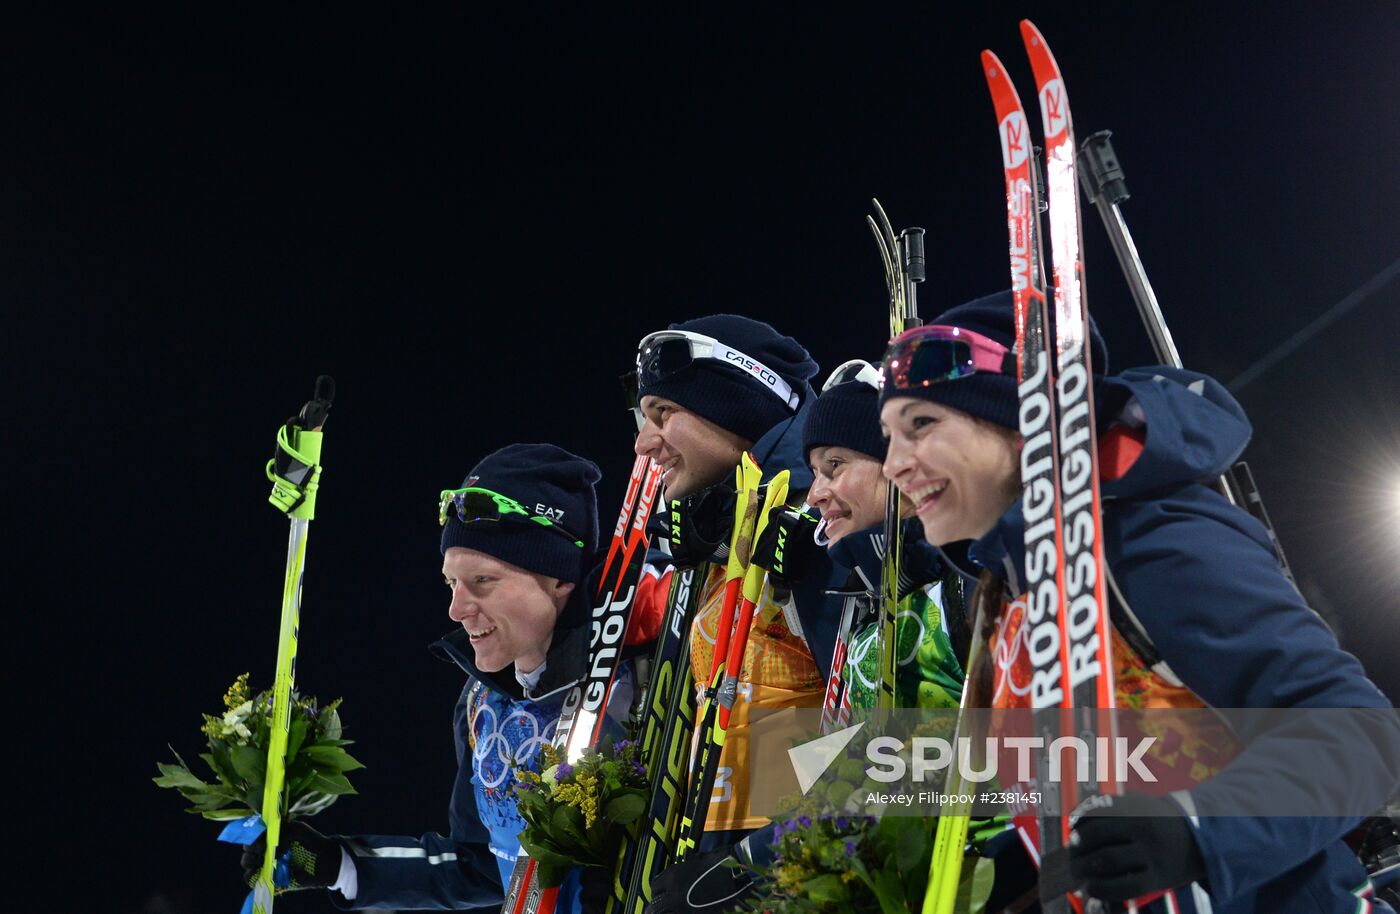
[991, 63]
[1030, 34]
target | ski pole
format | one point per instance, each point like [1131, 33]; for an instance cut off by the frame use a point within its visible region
[710, 735]
[295, 474]
[1101, 176]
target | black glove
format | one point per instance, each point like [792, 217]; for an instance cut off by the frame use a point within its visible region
[1133, 845]
[708, 883]
[595, 884]
[700, 523]
[786, 548]
[315, 860]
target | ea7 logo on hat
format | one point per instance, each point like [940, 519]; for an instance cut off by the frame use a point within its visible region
[554, 514]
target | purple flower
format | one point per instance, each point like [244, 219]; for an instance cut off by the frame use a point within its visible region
[777, 832]
[565, 770]
[806, 821]
[842, 822]
[622, 745]
[850, 848]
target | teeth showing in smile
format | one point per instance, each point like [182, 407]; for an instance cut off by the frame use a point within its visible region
[481, 634]
[921, 495]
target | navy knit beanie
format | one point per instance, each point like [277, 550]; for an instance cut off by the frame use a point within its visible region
[984, 395]
[728, 396]
[548, 481]
[847, 415]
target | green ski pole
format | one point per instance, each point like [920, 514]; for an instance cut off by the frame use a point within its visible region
[295, 473]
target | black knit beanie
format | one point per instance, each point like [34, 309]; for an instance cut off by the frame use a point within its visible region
[727, 395]
[847, 415]
[985, 395]
[548, 481]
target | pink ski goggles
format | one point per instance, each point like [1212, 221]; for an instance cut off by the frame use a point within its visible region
[924, 356]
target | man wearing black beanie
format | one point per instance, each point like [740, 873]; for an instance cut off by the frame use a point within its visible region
[710, 389]
[519, 539]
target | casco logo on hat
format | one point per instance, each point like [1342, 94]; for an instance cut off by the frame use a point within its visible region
[752, 366]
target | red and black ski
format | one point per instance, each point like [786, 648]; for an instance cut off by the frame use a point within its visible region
[1066, 607]
[585, 706]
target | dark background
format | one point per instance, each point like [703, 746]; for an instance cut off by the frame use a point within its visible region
[470, 218]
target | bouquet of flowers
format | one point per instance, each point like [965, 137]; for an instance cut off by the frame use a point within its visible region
[830, 860]
[859, 865]
[578, 814]
[237, 756]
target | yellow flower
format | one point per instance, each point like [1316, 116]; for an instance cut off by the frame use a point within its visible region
[237, 693]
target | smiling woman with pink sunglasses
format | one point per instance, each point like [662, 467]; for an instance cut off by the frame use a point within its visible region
[1202, 615]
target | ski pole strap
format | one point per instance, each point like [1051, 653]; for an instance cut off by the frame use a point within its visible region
[295, 471]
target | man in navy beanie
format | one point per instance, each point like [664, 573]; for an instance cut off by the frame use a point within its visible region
[708, 389]
[518, 544]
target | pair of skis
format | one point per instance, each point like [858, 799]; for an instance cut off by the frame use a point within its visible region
[585, 706]
[1066, 605]
[903, 260]
[683, 779]
[666, 731]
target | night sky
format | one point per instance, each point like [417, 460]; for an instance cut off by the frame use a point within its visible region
[469, 219]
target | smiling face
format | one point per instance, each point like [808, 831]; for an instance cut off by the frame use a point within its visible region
[693, 452]
[508, 612]
[848, 488]
[960, 473]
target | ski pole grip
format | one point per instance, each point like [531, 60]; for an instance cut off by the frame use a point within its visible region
[912, 245]
[295, 467]
[1100, 170]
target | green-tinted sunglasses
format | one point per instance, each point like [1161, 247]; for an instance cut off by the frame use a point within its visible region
[475, 505]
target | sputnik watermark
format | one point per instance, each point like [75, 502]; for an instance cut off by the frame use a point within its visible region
[1101, 758]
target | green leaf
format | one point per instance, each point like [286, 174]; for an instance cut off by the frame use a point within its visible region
[331, 757]
[890, 892]
[329, 723]
[335, 784]
[249, 764]
[552, 875]
[976, 886]
[625, 808]
[568, 822]
[542, 852]
[225, 815]
[827, 889]
[913, 848]
[212, 801]
[296, 735]
[177, 776]
[222, 763]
